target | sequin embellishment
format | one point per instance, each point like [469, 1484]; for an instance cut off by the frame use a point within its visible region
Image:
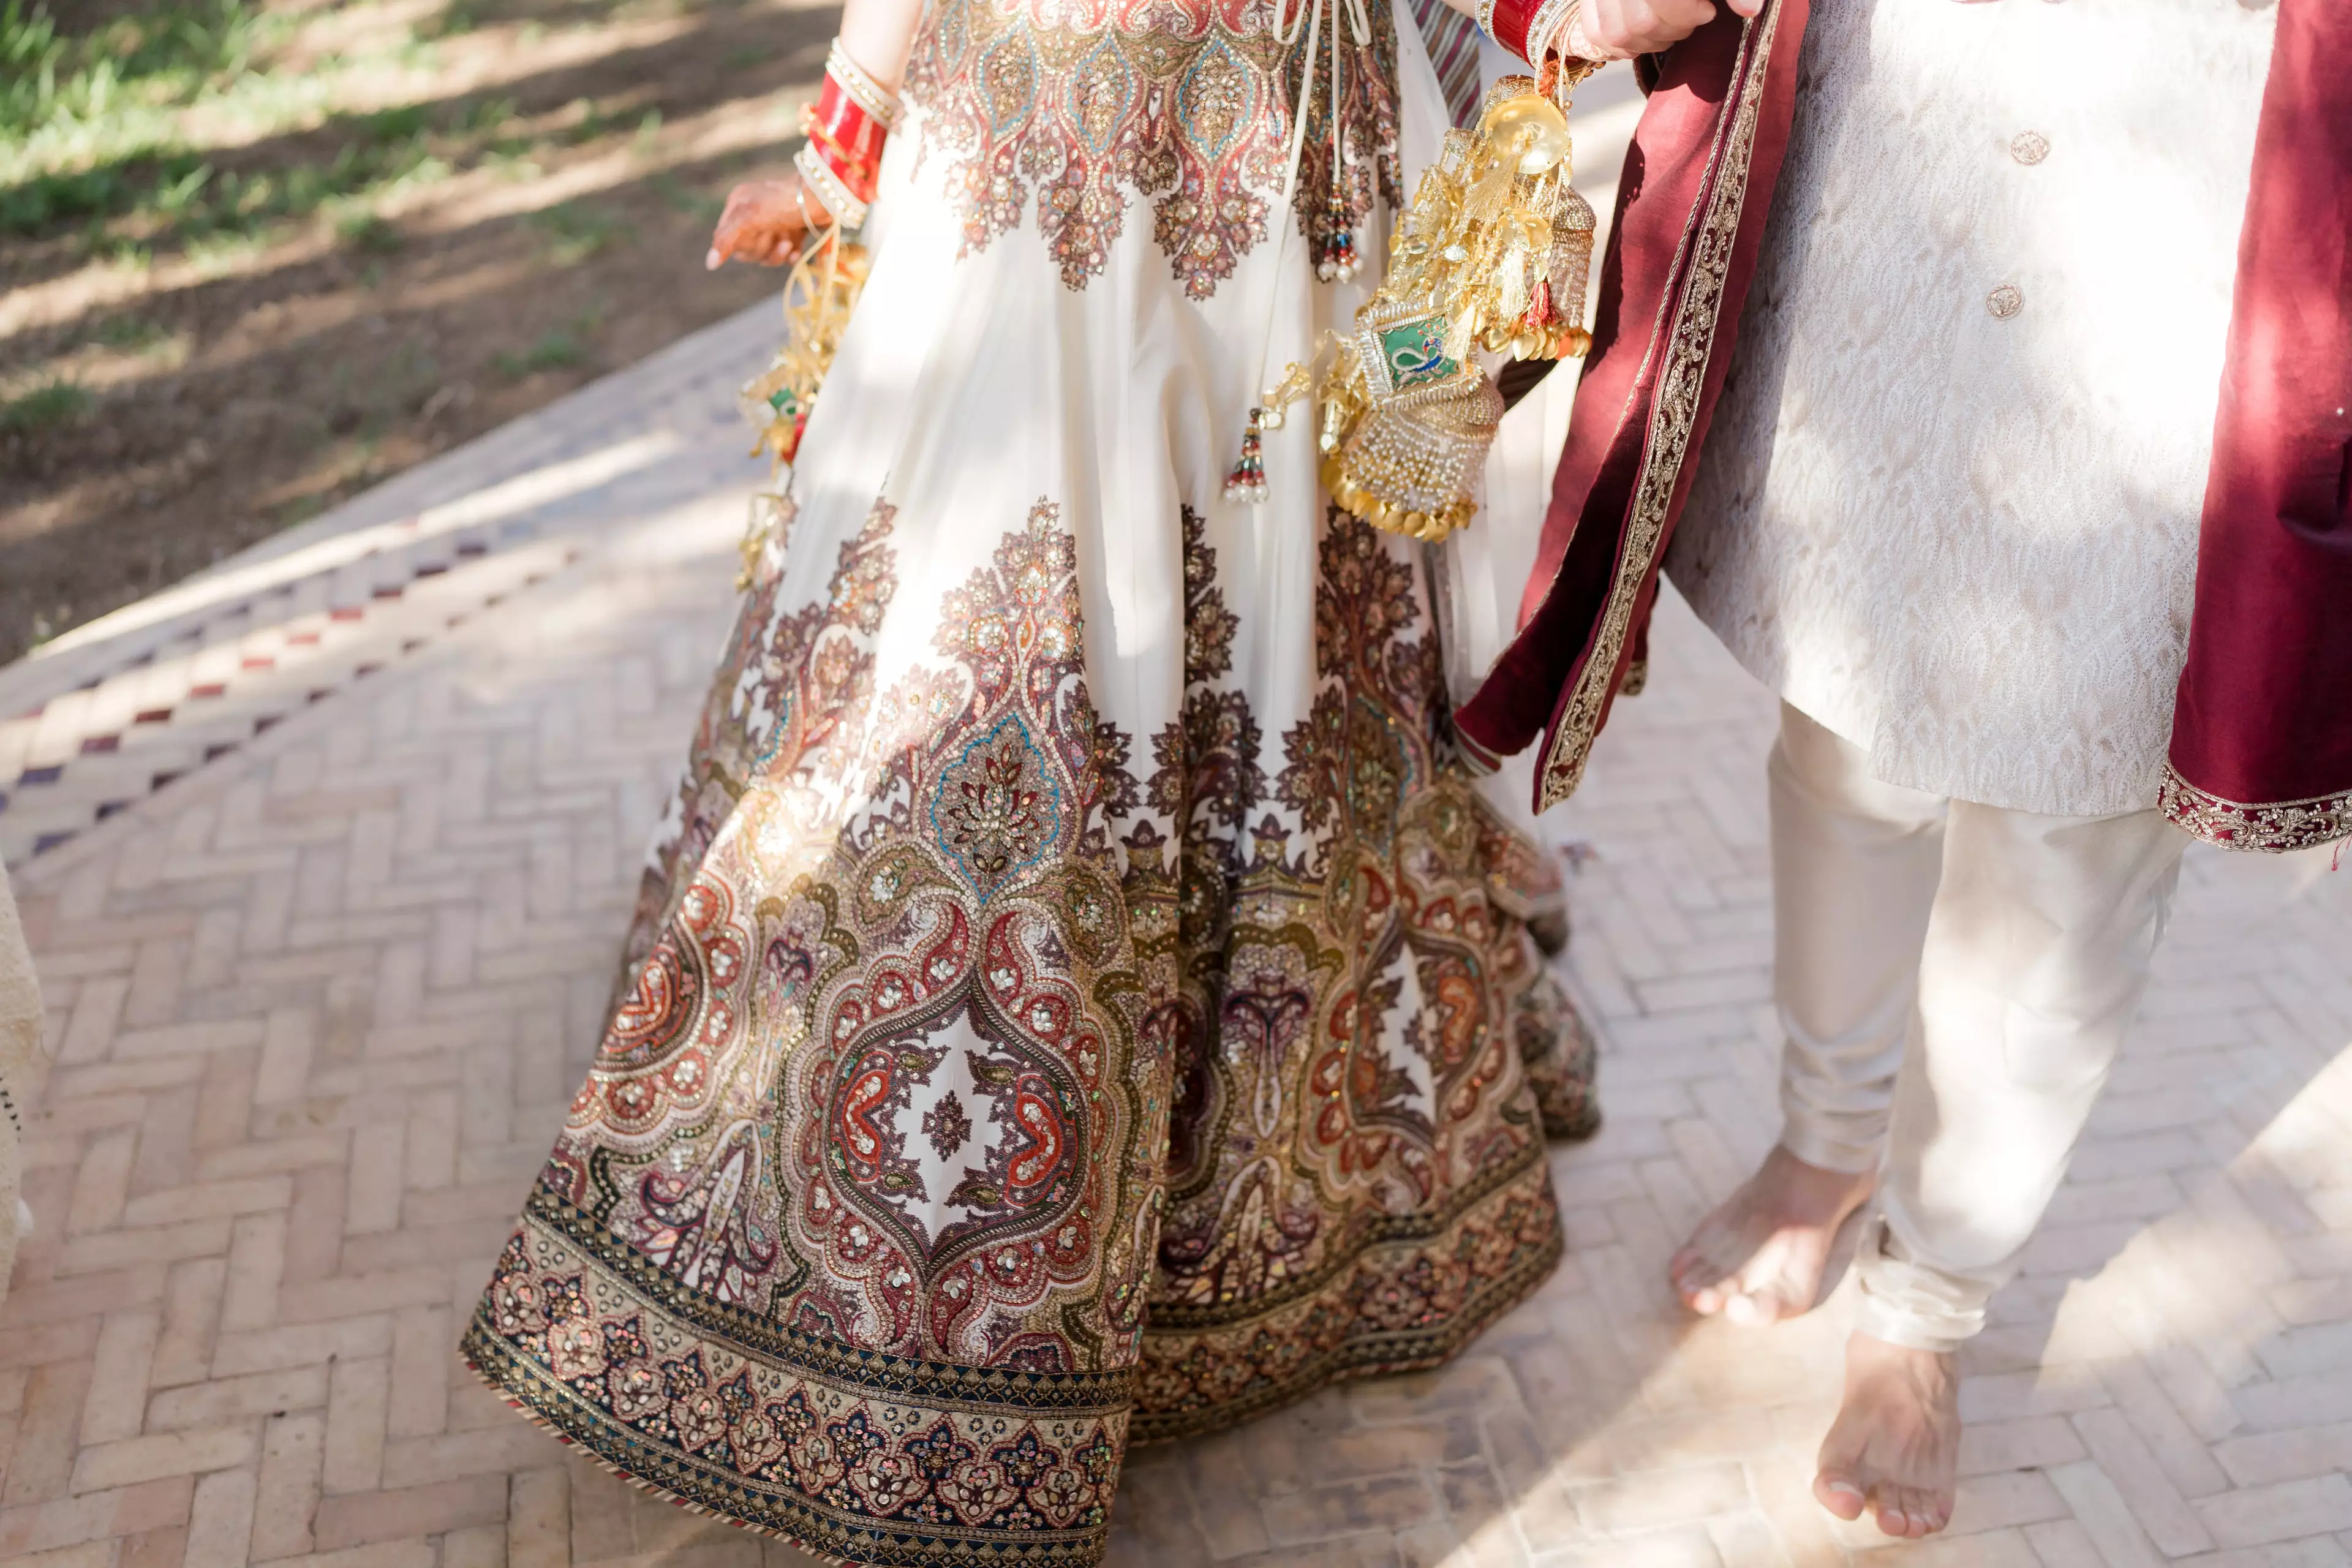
[1186, 103]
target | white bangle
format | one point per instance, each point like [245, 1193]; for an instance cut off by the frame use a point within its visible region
[863, 90]
[836, 197]
[1548, 32]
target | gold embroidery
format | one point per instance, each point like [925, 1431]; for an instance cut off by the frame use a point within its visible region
[1185, 101]
[1674, 412]
[977, 1105]
[2274, 829]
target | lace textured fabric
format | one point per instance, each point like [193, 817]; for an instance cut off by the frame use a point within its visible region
[1948, 504]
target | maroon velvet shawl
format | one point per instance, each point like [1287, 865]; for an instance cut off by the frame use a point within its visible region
[2261, 737]
[1690, 218]
[2261, 750]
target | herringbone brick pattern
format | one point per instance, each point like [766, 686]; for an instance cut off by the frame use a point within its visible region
[318, 1007]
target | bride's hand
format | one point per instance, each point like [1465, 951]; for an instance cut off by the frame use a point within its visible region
[1620, 29]
[765, 222]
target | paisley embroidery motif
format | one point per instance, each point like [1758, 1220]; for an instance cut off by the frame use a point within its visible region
[972, 1107]
[1352, 994]
[1183, 101]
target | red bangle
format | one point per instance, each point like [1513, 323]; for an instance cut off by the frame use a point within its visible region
[858, 173]
[1508, 25]
[848, 136]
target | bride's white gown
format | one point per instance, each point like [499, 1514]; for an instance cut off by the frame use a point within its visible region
[1077, 998]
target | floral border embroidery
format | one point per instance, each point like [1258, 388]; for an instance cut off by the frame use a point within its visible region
[1399, 1308]
[2274, 827]
[852, 1453]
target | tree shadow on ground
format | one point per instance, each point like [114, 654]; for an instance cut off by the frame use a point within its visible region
[235, 405]
[57, 222]
[2186, 1299]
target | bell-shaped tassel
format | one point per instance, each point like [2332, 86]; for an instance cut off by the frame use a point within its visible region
[1247, 481]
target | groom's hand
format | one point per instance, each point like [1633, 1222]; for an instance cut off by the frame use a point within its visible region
[1620, 29]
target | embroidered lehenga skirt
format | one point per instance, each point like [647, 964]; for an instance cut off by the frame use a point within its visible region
[1078, 997]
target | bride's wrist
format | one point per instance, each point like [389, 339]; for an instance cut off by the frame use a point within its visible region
[1566, 36]
[1535, 30]
[853, 116]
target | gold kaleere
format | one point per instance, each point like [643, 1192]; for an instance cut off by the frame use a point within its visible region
[1495, 255]
[819, 295]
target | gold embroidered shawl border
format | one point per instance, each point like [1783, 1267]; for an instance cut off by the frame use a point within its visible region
[2274, 828]
[1674, 413]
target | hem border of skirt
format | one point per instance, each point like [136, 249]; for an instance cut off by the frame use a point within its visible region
[1381, 1355]
[563, 1435]
[1510, 1289]
[490, 1358]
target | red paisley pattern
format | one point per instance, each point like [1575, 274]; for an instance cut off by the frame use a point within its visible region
[970, 1108]
[1184, 101]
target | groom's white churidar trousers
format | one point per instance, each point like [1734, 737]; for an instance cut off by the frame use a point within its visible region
[1954, 980]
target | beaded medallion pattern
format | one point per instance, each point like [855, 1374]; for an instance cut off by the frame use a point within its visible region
[982, 1094]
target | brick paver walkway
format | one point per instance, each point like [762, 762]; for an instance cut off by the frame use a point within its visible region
[319, 1000]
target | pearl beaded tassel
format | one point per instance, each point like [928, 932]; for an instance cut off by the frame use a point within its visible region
[1247, 481]
[1337, 262]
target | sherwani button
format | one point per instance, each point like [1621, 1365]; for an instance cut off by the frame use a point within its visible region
[2029, 146]
[2005, 302]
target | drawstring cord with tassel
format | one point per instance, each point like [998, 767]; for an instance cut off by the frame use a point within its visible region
[1337, 262]
[1247, 480]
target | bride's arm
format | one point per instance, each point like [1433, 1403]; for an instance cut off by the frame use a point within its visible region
[766, 219]
[878, 36]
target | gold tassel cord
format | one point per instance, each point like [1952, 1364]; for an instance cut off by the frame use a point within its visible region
[819, 293]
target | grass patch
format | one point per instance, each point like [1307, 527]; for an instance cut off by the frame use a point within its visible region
[556, 349]
[583, 121]
[46, 202]
[486, 118]
[576, 231]
[300, 509]
[369, 233]
[74, 108]
[91, 135]
[219, 252]
[514, 167]
[54, 403]
[179, 198]
[129, 334]
[166, 58]
[452, 21]
[680, 197]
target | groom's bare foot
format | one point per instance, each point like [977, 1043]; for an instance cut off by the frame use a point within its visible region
[1895, 1447]
[1759, 1256]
